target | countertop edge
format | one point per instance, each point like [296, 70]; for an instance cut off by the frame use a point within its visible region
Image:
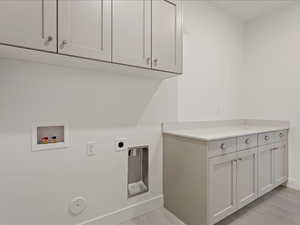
[178, 134]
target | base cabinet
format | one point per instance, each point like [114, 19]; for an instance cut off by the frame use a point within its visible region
[222, 185]
[281, 164]
[216, 178]
[266, 169]
[247, 190]
[232, 183]
[273, 166]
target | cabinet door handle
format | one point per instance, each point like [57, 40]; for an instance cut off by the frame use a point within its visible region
[223, 146]
[155, 62]
[63, 43]
[247, 141]
[49, 39]
[267, 138]
[148, 60]
[281, 135]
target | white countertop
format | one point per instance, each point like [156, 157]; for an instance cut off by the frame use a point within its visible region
[222, 132]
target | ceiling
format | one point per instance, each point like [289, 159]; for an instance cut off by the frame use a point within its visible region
[250, 9]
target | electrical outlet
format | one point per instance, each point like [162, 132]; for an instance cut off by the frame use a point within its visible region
[91, 148]
[121, 144]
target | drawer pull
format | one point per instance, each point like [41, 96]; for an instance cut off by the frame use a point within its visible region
[49, 39]
[247, 141]
[148, 60]
[223, 146]
[63, 43]
[267, 138]
[273, 149]
[236, 160]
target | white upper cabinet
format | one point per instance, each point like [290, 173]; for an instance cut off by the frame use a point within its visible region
[131, 41]
[141, 33]
[29, 24]
[167, 35]
[84, 28]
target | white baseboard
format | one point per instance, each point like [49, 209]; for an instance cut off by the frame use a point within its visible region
[127, 213]
[293, 183]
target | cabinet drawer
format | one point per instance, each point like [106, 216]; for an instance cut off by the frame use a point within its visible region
[266, 138]
[222, 147]
[246, 142]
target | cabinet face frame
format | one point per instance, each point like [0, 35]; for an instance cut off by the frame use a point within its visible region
[159, 59]
[66, 43]
[213, 162]
[43, 32]
[250, 154]
[132, 47]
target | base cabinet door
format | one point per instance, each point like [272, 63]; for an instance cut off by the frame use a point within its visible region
[84, 28]
[266, 169]
[29, 24]
[131, 28]
[247, 177]
[222, 187]
[167, 35]
[281, 163]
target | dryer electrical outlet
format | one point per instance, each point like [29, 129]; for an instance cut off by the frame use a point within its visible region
[121, 144]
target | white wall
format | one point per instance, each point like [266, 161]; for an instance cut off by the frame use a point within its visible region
[37, 186]
[213, 56]
[270, 86]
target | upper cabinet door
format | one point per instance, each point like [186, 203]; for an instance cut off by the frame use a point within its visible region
[84, 28]
[167, 35]
[131, 41]
[29, 24]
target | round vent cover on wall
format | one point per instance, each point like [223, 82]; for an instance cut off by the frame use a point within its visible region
[77, 205]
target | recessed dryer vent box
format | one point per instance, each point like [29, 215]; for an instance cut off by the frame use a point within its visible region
[49, 136]
[138, 171]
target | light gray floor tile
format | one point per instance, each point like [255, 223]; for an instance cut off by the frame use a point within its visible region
[280, 207]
